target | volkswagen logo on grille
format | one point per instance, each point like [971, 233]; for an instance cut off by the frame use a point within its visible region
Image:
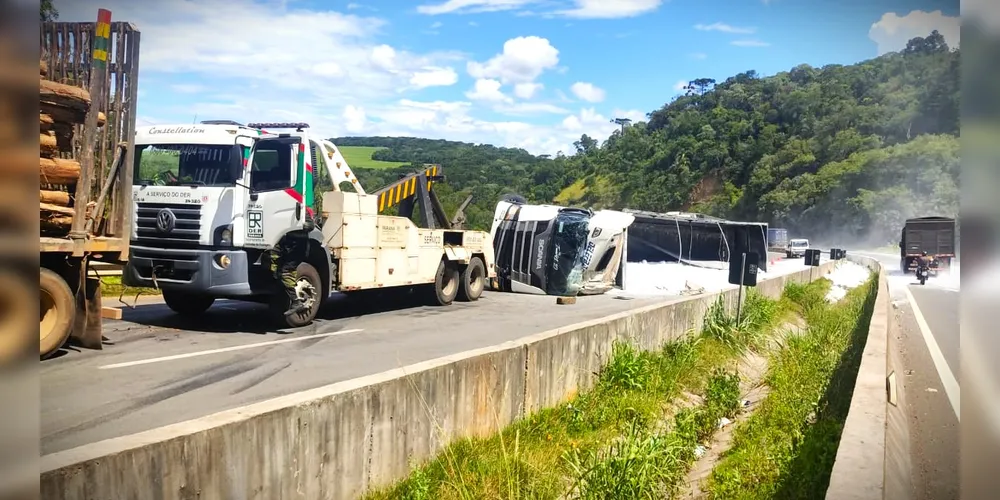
[165, 221]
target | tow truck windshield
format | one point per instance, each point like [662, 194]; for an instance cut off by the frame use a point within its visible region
[187, 165]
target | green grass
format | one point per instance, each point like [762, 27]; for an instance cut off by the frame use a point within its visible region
[111, 286]
[786, 449]
[621, 439]
[572, 193]
[361, 157]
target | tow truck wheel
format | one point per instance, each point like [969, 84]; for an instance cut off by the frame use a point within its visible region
[446, 284]
[187, 304]
[311, 285]
[56, 312]
[473, 281]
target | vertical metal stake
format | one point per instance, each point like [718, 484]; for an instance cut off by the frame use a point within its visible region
[739, 297]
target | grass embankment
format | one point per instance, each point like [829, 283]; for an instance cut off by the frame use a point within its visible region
[361, 157]
[787, 447]
[628, 437]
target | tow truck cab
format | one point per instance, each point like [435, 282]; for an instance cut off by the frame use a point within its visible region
[199, 194]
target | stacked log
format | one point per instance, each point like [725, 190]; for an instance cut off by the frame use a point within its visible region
[61, 109]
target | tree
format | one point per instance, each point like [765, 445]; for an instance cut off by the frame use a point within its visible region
[48, 11]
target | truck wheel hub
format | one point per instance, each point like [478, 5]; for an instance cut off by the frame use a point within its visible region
[306, 292]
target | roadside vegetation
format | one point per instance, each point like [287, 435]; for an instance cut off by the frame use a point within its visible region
[643, 425]
[857, 148]
[787, 447]
[633, 435]
[361, 157]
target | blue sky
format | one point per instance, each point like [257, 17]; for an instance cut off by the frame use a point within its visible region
[527, 73]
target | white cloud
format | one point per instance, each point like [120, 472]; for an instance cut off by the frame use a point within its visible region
[610, 9]
[891, 32]
[749, 43]
[725, 28]
[488, 90]
[470, 6]
[355, 119]
[679, 86]
[527, 90]
[587, 91]
[434, 77]
[699, 56]
[351, 83]
[523, 59]
[529, 108]
[436, 25]
[384, 57]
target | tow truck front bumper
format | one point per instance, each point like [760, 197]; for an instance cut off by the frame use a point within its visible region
[191, 270]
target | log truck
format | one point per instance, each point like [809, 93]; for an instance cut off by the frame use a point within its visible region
[88, 89]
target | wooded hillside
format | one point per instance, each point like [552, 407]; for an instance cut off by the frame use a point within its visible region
[838, 151]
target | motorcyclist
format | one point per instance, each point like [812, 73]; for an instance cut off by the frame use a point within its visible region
[925, 261]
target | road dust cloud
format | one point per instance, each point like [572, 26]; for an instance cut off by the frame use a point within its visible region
[673, 278]
[844, 277]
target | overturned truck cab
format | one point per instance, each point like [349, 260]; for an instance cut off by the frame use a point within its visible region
[553, 250]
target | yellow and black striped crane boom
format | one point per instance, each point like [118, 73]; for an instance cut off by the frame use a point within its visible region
[394, 193]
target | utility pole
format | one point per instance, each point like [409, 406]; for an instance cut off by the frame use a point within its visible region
[622, 122]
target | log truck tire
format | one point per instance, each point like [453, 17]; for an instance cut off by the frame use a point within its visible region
[187, 304]
[473, 281]
[446, 284]
[279, 301]
[16, 332]
[56, 312]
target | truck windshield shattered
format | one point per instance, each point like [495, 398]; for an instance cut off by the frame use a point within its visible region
[187, 165]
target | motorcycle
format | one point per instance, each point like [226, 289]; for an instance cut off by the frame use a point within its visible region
[922, 273]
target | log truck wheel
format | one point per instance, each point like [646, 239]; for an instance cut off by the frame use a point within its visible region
[16, 334]
[56, 312]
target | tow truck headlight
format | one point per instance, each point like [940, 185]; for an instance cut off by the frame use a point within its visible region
[223, 261]
[224, 236]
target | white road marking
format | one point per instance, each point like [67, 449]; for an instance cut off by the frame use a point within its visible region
[226, 349]
[948, 379]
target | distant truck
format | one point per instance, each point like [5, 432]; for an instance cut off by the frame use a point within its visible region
[934, 235]
[796, 247]
[777, 239]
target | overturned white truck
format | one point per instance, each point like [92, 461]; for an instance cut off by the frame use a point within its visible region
[553, 250]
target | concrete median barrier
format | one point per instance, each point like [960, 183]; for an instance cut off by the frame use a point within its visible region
[339, 440]
[872, 457]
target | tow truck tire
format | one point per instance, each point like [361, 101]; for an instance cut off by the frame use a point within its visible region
[473, 281]
[446, 284]
[279, 303]
[187, 304]
[56, 312]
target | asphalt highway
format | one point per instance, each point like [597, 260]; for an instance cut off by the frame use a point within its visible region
[929, 349]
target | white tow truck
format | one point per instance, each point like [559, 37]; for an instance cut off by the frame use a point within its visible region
[213, 200]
